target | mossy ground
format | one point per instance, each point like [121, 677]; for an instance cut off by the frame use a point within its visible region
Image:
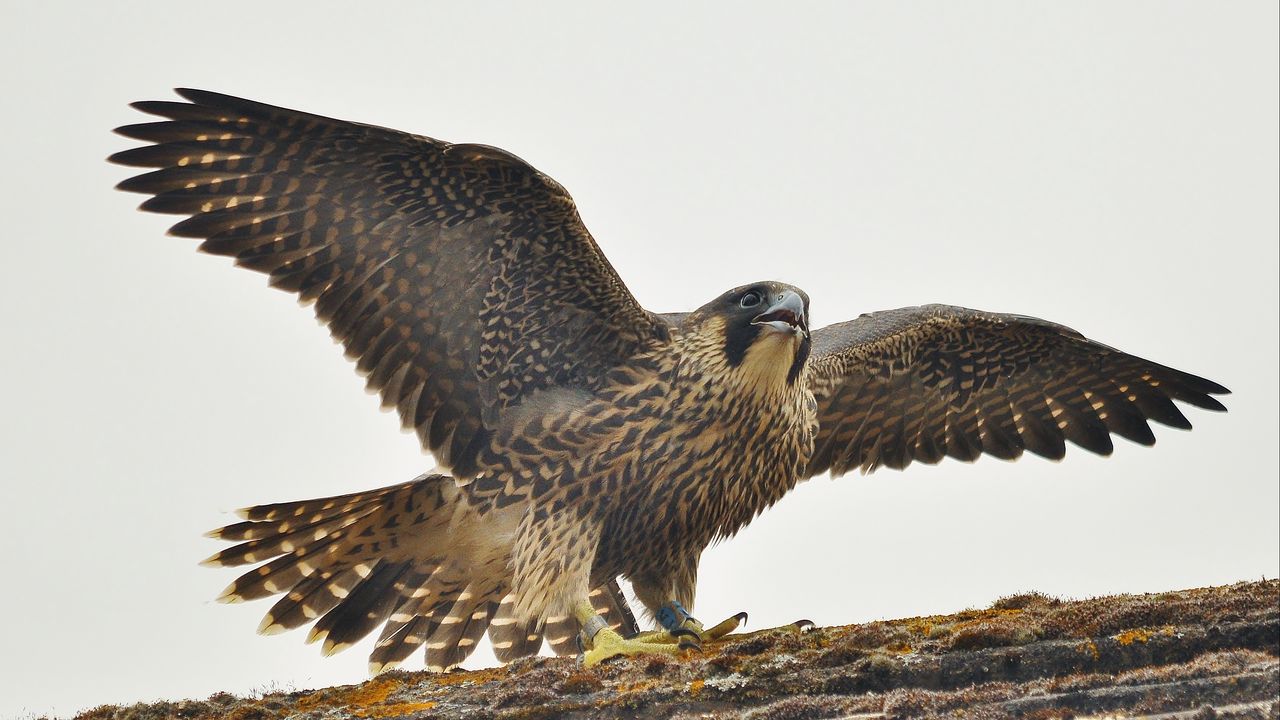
[1196, 653]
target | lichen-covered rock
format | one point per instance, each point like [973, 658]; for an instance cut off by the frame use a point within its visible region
[1212, 652]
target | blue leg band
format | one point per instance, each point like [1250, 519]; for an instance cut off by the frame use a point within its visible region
[672, 615]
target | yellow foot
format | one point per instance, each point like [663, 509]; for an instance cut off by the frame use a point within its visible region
[602, 642]
[690, 633]
[609, 644]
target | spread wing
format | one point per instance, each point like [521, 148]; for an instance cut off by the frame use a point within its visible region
[458, 277]
[923, 383]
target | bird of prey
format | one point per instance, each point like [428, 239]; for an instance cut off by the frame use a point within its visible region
[585, 438]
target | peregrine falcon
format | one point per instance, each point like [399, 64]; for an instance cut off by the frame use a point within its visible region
[585, 438]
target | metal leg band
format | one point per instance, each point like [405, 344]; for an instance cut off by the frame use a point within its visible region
[593, 626]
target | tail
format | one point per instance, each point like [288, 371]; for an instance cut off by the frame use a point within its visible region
[387, 557]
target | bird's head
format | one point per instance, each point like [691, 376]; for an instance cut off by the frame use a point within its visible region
[761, 331]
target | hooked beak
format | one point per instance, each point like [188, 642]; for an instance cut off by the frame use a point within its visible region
[786, 315]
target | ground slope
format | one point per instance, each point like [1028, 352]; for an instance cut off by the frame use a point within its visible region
[1212, 652]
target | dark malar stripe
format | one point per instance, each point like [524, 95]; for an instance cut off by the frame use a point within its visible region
[737, 341]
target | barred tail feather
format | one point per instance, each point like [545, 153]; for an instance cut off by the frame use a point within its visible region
[611, 604]
[457, 633]
[415, 618]
[561, 633]
[325, 507]
[308, 600]
[280, 574]
[368, 606]
[398, 641]
[262, 543]
[411, 558]
[347, 563]
[512, 639]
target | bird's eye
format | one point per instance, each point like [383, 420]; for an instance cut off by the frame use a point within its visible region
[751, 299]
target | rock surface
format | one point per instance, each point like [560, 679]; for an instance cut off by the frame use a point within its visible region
[1205, 653]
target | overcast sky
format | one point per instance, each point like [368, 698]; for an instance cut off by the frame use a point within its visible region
[1109, 166]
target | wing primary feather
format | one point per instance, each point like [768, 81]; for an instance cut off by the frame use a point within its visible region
[1122, 418]
[369, 225]
[1082, 426]
[988, 383]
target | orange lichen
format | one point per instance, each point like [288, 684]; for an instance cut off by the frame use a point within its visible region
[623, 688]
[1091, 647]
[920, 626]
[695, 687]
[357, 698]
[1129, 637]
[580, 683]
[372, 692]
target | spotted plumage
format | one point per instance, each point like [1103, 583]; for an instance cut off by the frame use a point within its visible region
[585, 438]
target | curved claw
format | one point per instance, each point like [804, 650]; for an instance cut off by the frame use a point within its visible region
[686, 639]
[799, 627]
[724, 628]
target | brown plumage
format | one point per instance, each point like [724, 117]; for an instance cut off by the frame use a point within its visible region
[586, 438]
[918, 384]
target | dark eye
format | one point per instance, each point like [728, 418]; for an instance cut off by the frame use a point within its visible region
[749, 300]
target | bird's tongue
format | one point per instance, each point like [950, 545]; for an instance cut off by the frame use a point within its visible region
[779, 315]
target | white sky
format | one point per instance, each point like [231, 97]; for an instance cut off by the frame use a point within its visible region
[1109, 166]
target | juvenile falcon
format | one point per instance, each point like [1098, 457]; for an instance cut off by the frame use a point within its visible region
[586, 438]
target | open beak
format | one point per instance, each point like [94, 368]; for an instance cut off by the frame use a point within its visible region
[786, 315]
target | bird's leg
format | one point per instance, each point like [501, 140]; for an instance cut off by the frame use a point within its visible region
[602, 642]
[683, 629]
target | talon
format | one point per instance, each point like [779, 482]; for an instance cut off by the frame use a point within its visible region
[689, 642]
[719, 631]
[683, 632]
[687, 639]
